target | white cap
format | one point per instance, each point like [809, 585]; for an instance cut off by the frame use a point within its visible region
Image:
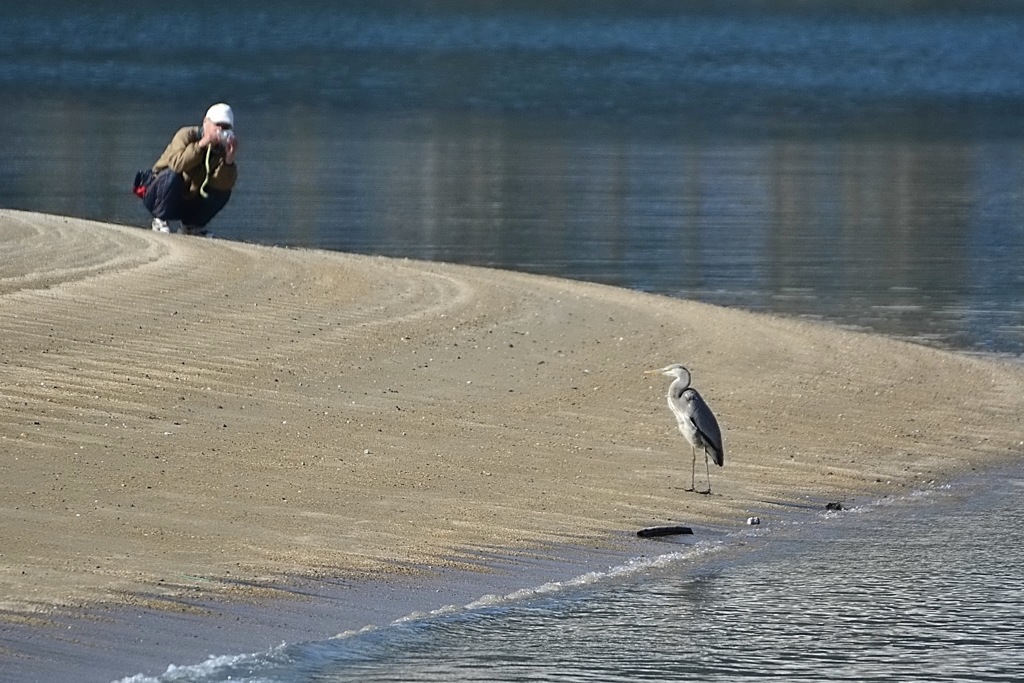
[221, 113]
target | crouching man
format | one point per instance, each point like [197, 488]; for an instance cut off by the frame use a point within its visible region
[192, 180]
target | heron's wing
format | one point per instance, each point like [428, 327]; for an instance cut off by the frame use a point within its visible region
[706, 424]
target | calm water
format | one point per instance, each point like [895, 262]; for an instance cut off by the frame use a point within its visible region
[842, 161]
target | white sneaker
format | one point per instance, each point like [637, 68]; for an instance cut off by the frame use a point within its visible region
[160, 225]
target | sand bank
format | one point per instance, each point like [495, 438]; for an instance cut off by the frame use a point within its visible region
[181, 416]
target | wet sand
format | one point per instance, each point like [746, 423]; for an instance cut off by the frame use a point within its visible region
[187, 423]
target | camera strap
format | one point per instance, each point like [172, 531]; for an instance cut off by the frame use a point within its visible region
[202, 188]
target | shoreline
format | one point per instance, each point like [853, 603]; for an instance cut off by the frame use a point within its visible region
[188, 420]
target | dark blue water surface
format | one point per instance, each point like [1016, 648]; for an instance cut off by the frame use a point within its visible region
[762, 62]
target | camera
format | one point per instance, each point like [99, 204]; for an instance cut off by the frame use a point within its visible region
[225, 136]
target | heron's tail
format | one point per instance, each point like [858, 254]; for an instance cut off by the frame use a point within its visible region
[717, 455]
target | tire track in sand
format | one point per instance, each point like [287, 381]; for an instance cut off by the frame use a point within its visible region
[125, 325]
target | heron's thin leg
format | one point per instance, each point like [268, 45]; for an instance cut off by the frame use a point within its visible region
[707, 465]
[693, 470]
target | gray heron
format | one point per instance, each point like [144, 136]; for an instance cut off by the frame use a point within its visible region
[696, 421]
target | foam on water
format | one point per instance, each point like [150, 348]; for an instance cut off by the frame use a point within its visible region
[220, 667]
